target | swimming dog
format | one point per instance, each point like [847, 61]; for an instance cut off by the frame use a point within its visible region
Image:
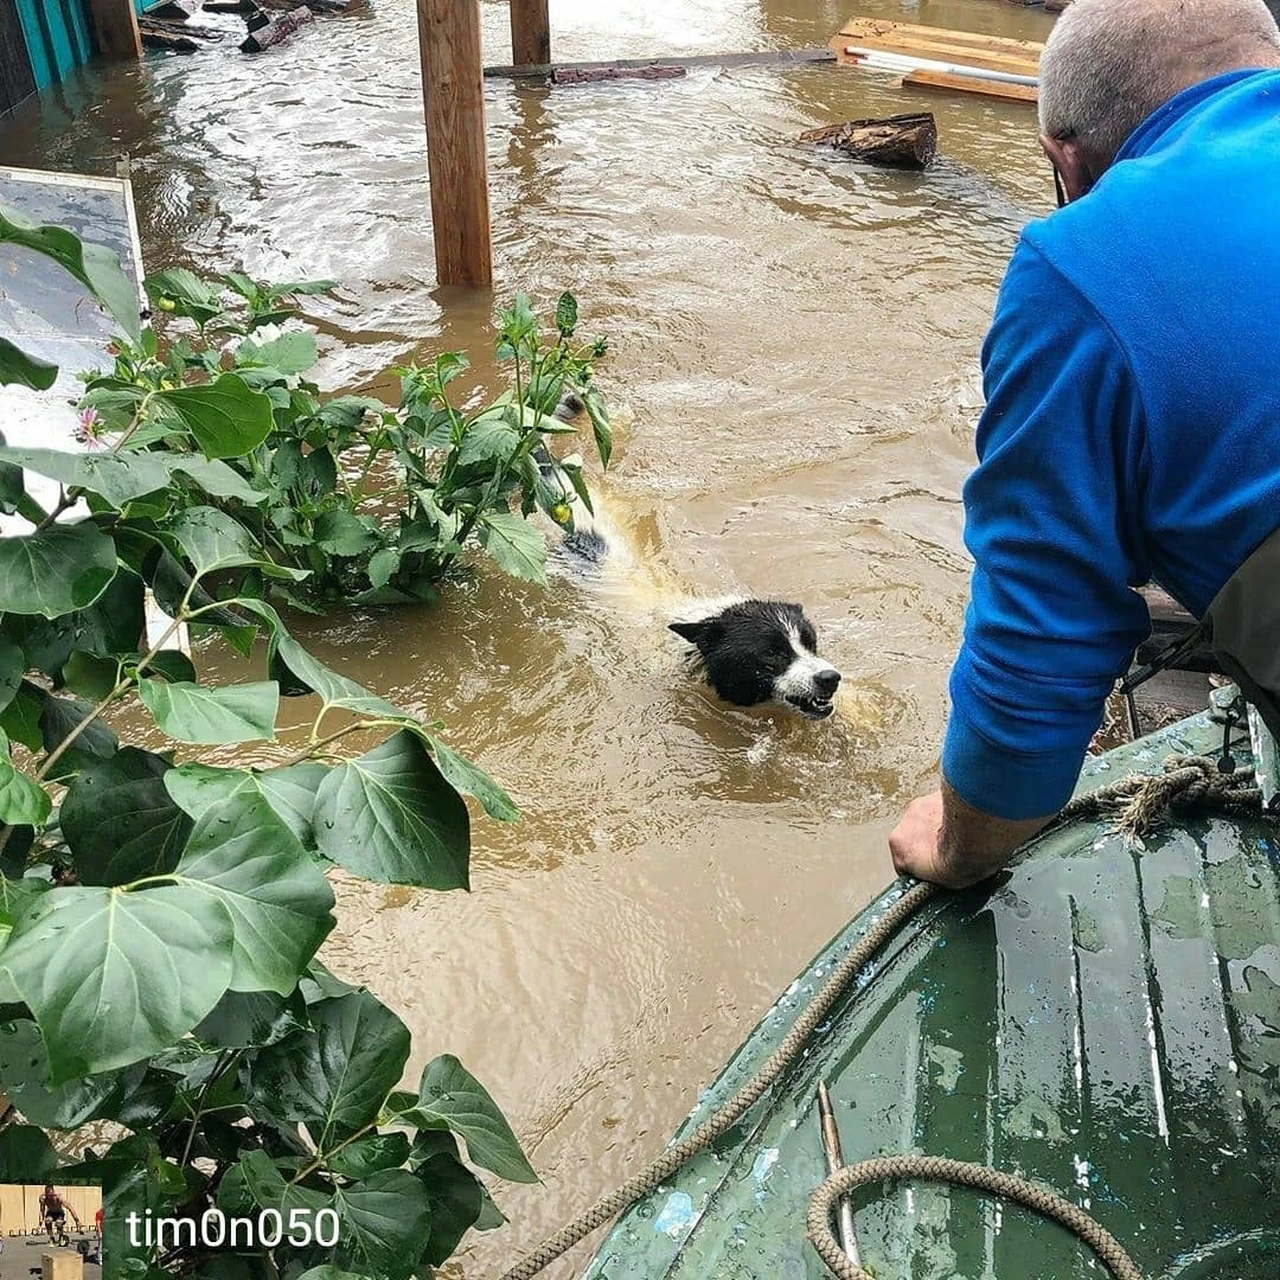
[751, 652]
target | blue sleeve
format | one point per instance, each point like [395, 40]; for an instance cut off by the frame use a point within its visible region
[1050, 520]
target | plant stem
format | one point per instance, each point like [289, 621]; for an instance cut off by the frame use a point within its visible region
[224, 1060]
[322, 1156]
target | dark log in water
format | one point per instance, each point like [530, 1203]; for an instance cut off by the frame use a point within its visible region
[591, 75]
[272, 31]
[899, 142]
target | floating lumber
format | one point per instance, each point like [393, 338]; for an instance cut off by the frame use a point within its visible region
[265, 32]
[759, 58]
[176, 37]
[592, 75]
[969, 84]
[993, 53]
[228, 6]
[900, 142]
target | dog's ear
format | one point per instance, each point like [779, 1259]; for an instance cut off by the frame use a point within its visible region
[696, 632]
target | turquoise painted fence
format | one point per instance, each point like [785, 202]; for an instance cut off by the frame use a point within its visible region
[58, 37]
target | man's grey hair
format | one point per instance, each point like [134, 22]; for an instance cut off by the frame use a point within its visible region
[1108, 64]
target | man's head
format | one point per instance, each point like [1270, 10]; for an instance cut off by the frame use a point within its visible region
[1108, 64]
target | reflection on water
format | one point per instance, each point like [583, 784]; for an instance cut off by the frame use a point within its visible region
[794, 342]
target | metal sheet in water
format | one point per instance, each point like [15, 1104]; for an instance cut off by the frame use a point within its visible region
[49, 313]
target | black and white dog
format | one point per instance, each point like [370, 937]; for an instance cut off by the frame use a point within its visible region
[751, 652]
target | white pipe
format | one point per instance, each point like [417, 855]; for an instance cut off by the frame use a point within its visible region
[883, 60]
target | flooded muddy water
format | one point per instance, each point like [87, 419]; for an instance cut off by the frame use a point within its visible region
[794, 354]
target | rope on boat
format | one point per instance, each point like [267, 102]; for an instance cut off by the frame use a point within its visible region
[938, 1169]
[1187, 782]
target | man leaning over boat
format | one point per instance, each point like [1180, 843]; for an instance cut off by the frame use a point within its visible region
[1132, 424]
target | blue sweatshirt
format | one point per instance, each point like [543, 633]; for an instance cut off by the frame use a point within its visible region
[1131, 433]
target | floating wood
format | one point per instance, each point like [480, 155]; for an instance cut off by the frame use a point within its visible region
[968, 84]
[275, 30]
[592, 75]
[176, 37]
[996, 53]
[756, 58]
[899, 142]
[228, 6]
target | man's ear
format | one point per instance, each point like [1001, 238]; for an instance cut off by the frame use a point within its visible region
[1067, 156]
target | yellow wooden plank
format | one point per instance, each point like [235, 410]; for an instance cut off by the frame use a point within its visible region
[858, 29]
[942, 51]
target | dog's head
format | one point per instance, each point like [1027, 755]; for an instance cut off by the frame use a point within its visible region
[754, 651]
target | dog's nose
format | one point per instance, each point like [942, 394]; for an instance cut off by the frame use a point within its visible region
[827, 681]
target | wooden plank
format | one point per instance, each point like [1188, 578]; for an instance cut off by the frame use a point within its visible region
[858, 30]
[969, 84]
[754, 58]
[453, 98]
[115, 28]
[937, 51]
[530, 33]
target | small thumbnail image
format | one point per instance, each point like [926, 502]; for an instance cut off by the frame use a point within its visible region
[50, 1230]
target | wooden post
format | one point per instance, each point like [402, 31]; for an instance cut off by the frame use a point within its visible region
[530, 33]
[453, 96]
[115, 26]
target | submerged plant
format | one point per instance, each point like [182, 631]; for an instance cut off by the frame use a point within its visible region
[375, 504]
[160, 916]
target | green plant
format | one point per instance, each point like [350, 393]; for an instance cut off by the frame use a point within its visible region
[446, 478]
[159, 917]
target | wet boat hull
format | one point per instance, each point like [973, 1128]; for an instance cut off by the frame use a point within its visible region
[1104, 1020]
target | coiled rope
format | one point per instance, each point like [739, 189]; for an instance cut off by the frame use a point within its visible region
[1187, 782]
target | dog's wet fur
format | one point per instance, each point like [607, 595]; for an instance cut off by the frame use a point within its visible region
[751, 652]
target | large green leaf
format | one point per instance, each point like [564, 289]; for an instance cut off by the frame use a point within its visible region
[24, 1068]
[229, 713]
[23, 801]
[383, 1224]
[211, 540]
[450, 1097]
[514, 545]
[389, 815]
[93, 265]
[17, 367]
[123, 477]
[226, 418]
[600, 425]
[119, 820]
[456, 1197]
[293, 351]
[489, 438]
[290, 791]
[252, 1020]
[473, 781]
[144, 968]
[64, 568]
[370, 1154]
[340, 533]
[279, 901]
[59, 716]
[26, 1155]
[335, 1079]
[118, 478]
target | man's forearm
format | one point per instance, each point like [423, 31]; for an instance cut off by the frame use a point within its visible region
[973, 844]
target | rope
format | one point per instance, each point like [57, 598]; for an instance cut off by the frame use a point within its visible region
[1187, 782]
[938, 1169]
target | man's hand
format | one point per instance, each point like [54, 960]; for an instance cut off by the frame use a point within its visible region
[942, 839]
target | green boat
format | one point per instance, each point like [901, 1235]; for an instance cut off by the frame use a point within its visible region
[1103, 1020]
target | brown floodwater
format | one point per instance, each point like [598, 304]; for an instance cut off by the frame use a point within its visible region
[794, 361]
